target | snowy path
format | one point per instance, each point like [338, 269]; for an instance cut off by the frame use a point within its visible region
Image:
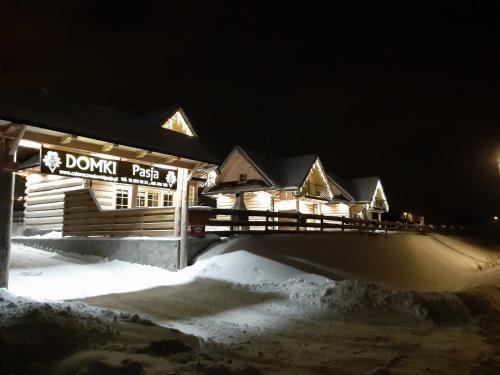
[207, 299]
[276, 323]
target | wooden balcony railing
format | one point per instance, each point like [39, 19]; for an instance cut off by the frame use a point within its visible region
[83, 216]
[317, 191]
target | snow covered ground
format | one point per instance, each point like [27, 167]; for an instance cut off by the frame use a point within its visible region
[247, 307]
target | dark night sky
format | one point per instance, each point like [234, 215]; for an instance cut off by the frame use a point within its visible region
[408, 90]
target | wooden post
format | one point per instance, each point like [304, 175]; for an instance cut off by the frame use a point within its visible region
[343, 221]
[183, 251]
[178, 203]
[6, 208]
[133, 195]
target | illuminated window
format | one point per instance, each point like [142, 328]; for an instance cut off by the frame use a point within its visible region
[153, 199]
[177, 123]
[122, 198]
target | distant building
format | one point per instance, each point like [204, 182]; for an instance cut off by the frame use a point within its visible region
[251, 180]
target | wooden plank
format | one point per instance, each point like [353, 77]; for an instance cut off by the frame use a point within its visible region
[80, 209]
[97, 219]
[90, 228]
[45, 226]
[45, 206]
[45, 199]
[47, 213]
[54, 185]
[53, 191]
[44, 220]
[147, 233]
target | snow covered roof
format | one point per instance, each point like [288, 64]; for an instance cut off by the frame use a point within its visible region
[362, 189]
[340, 185]
[105, 124]
[284, 173]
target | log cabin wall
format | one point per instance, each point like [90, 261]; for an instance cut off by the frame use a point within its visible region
[337, 209]
[226, 201]
[237, 165]
[358, 211]
[104, 192]
[44, 202]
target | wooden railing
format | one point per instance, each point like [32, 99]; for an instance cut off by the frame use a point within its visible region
[291, 222]
[83, 216]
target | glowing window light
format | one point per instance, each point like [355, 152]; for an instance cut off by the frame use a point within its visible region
[178, 124]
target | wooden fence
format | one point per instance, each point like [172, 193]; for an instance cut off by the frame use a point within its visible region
[83, 216]
[228, 221]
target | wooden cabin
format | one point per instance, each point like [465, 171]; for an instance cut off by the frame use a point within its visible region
[250, 180]
[125, 161]
[364, 196]
[255, 181]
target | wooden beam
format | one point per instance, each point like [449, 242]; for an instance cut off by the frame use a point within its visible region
[79, 145]
[68, 139]
[15, 143]
[108, 147]
[141, 153]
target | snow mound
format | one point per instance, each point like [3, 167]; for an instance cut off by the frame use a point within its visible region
[360, 296]
[35, 334]
[242, 267]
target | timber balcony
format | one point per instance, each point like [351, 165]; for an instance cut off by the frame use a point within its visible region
[316, 191]
[83, 216]
[380, 204]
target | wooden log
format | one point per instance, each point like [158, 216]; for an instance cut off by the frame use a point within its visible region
[53, 191]
[45, 206]
[46, 213]
[113, 227]
[44, 220]
[98, 219]
[148, 233]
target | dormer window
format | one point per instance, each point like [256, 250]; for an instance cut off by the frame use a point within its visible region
[243, 177]
[178, 123]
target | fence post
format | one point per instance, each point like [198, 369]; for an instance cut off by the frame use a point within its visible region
[298, 221]
[342, 222]
[385, 226]
[322, 217]
[267, 222]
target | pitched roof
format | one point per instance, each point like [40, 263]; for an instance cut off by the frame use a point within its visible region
[362, 188]
[285, 173]
[340, 184]
[102, 123]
